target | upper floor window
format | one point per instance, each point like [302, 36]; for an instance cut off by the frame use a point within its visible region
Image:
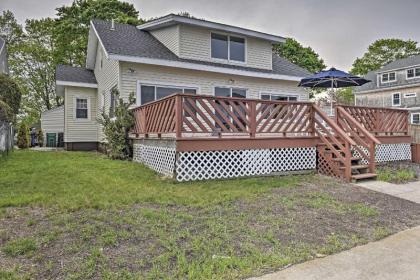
[413, 73]
[81, 108]
[149, 93]
[227, 47]
[415, 118]
[278, 97]
[388, 77]
[396, 99]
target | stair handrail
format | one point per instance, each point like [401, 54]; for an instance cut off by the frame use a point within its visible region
[340, 132]
[360, 127]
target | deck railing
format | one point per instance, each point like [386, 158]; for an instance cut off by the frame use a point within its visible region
[380, 121]
[187, 115]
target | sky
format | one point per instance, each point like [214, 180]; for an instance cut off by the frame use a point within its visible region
[339, 31]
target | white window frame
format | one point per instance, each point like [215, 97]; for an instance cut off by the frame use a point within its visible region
[410, 95]
[279, 94]
[228, 59]
[414, 72]
[412, 118]
[231, 88]
[75, 108]
[389, 81]
[160, 84]
[393, 104]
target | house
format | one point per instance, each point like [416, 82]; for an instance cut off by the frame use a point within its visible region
[396, 85]
[167, 55]
[4, 66]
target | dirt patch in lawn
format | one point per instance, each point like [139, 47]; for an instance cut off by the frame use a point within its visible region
[229, 240]
[398, 172]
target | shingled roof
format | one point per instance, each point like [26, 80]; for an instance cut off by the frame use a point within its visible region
[66, 73]
[128, 40]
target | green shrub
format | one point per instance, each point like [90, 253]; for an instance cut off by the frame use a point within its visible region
[396, 176]
[10, 93]
[23, 136]
[116, 126]
[40, 138]
[22, 246]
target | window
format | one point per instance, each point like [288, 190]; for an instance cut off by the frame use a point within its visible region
[229, 92]
[149, 93]
[413, 73]
[278, 97]
[409, 95]
[388, 77]
[81, 108]
[415, 118]
[227, 47]
[396, 99]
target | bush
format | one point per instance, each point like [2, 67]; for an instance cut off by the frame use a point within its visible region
[23, 136]
[40, 138]
[116, 127]
[10, 93]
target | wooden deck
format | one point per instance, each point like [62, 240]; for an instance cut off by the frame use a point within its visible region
[208, 123]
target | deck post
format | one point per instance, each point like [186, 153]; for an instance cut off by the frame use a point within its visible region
[372, 163]
[178, 116]
[253, 118]
[312, 120]
[347, 162]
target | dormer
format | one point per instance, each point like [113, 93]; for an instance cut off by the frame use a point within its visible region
[196, 39]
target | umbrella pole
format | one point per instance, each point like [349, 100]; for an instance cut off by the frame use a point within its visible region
[331, 96]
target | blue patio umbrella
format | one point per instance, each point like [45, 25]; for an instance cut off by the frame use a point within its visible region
[332, 78]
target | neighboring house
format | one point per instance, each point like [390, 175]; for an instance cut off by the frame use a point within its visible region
[4, 66]
[396, 85]
[52, 125]
[167, 55]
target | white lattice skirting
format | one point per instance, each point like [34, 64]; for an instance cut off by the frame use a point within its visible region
[192, 166]
[390, 152]
[160, 159]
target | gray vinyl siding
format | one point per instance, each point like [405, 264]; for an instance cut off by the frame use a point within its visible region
[4, 67]
[80, 130]
[52, 121]
[205, 82]
[195, 43]
[169, 37]
[107, 77]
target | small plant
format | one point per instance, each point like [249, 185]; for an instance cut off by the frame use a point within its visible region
[400, 175]
[22, 246]
[40, 138]
[116, 126]
[23, 136]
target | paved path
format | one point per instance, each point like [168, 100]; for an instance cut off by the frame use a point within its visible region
[395, 257]
[409, 191]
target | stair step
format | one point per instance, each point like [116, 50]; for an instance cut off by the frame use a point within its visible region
[352, 158]
[358, 166]
[363, 176]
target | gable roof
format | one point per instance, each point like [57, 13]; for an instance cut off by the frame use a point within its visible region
[398, 64]
[173, 19]
[128, 43]
[66, 73]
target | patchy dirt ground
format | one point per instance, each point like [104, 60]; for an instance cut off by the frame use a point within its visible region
[229, 240]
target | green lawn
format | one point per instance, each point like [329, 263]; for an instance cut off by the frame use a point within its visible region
[82, 216]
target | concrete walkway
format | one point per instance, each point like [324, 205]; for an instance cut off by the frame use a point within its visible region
[408, 191]
[395, 257]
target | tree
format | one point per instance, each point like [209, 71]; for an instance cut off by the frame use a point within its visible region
[382, 52]
[73, 23]
[116, 127]
[13, 33]
[10, 96]
[305, 57]
[23, 136]
[40, 137]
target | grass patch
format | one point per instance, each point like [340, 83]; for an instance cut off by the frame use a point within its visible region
[398, 176]
[22, 246]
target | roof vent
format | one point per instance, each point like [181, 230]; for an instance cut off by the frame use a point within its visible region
[112, 24]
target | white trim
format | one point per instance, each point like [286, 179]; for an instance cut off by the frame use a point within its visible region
[410, 95]
[412, 115]
[99, 38]
[75, 97]
[396, 105]
[201, 67]
[397, 69]
[279, 94]
[161, 84]
[228, 60]
[75, 84]
[172, 19]
[389, 81]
